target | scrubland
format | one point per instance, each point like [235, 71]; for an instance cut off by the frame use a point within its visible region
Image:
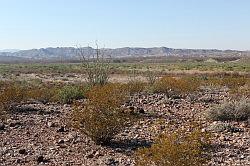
[173, 113]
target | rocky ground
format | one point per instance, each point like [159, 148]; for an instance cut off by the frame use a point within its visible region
[40, 134]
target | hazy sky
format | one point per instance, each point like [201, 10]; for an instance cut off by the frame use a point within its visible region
[222, 24]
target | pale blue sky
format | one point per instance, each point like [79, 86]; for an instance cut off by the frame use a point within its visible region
[222, 24]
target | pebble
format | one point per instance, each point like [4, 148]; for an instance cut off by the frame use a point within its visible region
[40, 159]
[60, 141]
[2, 126]
[22, 151]
[61, 129]
[51, 124]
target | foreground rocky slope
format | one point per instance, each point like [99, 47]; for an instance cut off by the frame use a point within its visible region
[39, 134]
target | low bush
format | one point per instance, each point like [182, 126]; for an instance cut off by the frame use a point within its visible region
[177, 85]
[234, 83]
[212, 82]
[101, 125]
[233, 110]
[176, 149]
[107, 96]
[10, 95]
[101, 118]
[68, 94]
[241, 91]
[43, 93]
[134, 86]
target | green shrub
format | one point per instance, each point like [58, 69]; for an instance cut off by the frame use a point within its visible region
[233, 110]
[101, 117]
[176, 149]
[70, 93]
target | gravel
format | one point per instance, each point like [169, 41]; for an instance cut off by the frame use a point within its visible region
[45, 136]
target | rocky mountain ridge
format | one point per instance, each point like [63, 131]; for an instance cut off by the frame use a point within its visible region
[70, 53]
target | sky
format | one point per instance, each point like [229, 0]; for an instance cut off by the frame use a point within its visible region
[219, 24]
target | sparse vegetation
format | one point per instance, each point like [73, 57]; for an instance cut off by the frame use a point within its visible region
[232, 110]
[231, 82]
[138, 97]
[162, 66]
[109, 108]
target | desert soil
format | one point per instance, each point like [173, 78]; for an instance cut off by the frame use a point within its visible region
[40, 134]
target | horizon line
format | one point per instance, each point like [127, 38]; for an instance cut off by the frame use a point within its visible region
[123, 47]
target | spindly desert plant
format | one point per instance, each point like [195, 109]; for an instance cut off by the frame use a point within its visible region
[151, 77]
[96, 66]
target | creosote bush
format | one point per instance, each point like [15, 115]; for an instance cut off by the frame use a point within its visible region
[234, 83]
[232, 111]
[176, 149]
[43, 93]
[107, 96]
[177, 85]
[10, 96]
[68, 94]
[241, 91]
[134, 86]
[100, 117]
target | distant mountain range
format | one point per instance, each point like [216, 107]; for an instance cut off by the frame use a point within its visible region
[70, 53]
[9, 50]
